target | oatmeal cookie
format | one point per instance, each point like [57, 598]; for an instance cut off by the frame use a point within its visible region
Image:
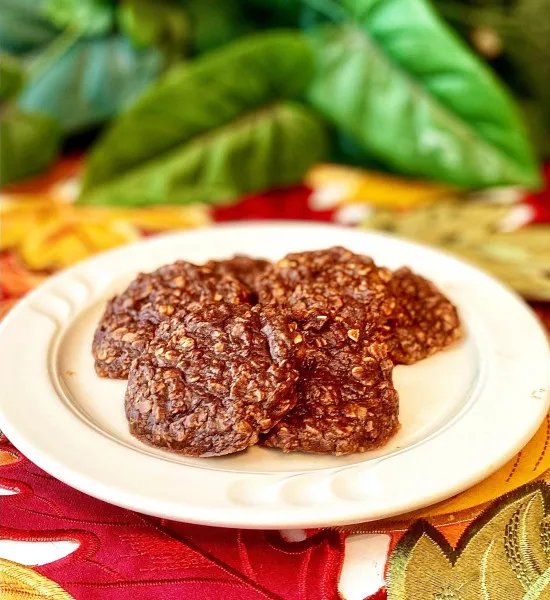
[317, 287]
[346, 399]
[131, 317]
[401, 308]
[244, 268]
[212, 380]
[119, 338]
[337, 303]
[424, 320]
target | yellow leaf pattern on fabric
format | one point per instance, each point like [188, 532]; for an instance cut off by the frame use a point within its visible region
[425, 551]
[525, 552]
[18, 582]
[484, 571]
[502, 555]
[339, 185]
[540, 589]
[49, 233]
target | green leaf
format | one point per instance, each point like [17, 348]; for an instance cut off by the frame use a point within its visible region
[398, 81]
[163, 23]
[88, 17]
[220, 122]
[11, 77]
[29, 144]
[345, 149]
[79, 81]
[23, 26]
[91, 81]
[215, 23]
[522, 28]
[271, 147]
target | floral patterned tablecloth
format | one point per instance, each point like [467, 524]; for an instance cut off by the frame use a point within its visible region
[491, 542]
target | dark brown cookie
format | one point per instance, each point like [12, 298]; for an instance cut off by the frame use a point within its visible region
[212, 380]
[337, 303]
[118, 339]
[244, 268]
[149, 300]
[346, 403]
[401, 309]
[351, 320]
[325, 285]
[424, 320]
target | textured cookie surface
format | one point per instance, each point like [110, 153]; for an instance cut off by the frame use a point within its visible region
[150, 299]
[346, 400]
[333, 284]
[212, 380]
[119, 338]
[423, 322]
[337, 303]
[297, 355]
[244, 268]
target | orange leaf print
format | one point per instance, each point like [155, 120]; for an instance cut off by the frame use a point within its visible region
[7, 458]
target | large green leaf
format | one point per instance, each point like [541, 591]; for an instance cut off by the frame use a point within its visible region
[80, 81]
[522, 31]
[29, 143]
[88, 17]
[397, 80]
[271, 147]
[91, 81]
[221, 122]
[23, 26]
[163, 23]
[214, 23]
[11, 77]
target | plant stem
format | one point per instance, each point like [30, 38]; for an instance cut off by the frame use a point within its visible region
[55, 50]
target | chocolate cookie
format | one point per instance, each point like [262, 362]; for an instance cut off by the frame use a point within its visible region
[130, 317]
[119, 338]
[401, 308]
[424, 320]
[337, 302]
[346, 399]
[212, 380]
[316, 287]
[244, 268]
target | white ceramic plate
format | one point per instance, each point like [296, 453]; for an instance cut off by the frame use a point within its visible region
[464, 412]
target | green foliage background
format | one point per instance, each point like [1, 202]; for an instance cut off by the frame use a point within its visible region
[192, 101]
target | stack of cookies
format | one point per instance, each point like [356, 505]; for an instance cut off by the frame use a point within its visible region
[296, 355]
